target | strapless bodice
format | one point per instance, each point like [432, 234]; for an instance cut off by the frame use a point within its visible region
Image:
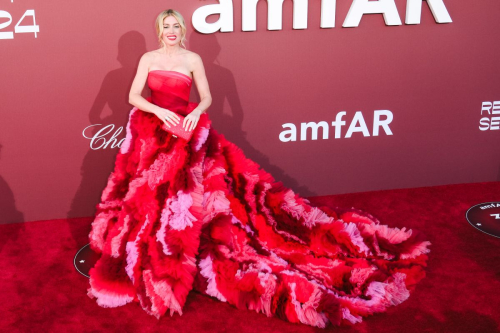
[170, 90]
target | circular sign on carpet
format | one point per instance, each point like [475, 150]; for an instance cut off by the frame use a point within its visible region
[485, 217]
[85, 259]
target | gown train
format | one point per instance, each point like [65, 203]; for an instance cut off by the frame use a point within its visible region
[179, 215]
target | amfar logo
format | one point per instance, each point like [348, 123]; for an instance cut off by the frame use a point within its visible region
[328, 7]
[491, 205]
[381, 120]
[489, 122]
[485, 217]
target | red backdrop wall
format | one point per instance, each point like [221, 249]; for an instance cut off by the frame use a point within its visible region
[77, 72]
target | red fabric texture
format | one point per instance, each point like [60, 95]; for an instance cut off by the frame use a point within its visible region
[42, 291]
[177, 216]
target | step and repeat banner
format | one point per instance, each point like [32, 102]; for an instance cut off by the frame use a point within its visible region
[329, 96]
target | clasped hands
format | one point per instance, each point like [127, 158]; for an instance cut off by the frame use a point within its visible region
[172, 119]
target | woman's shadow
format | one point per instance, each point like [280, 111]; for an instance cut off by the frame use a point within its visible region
[223, 87]
[99, 163]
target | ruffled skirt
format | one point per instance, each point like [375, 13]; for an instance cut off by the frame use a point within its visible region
[179, 215]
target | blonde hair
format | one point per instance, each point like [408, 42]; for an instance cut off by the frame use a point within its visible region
[159, 25]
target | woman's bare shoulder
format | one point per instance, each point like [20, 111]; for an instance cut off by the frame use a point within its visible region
[152, 54]
[148, 57]
[194, 58]
[193, 55]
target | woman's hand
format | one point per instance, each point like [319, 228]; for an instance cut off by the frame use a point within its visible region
[167, 116]
[191, 120]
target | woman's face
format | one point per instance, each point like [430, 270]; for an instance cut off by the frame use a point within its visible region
[171, 31]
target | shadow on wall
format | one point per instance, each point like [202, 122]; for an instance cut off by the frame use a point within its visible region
[9, 212]
[98, 164]
[208, 47]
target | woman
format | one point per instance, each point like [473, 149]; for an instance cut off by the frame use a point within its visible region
[172, 35]
[177, 215]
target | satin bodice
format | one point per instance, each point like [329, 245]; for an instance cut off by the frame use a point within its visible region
[170, 90]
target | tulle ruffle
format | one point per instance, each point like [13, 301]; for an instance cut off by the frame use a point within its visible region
[179, 215]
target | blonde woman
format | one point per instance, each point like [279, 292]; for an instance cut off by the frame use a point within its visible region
[193, 212]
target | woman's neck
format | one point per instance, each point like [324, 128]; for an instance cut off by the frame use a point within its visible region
[172, 50]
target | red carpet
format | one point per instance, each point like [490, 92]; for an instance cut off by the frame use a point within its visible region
[42, 292]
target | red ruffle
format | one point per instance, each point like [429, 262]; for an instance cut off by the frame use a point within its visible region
[179, 215]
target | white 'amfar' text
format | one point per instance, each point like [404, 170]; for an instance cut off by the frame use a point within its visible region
[300, 7]
[381, 120]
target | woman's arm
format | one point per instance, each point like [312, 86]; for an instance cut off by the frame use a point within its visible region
[140, 102]
[201, 82]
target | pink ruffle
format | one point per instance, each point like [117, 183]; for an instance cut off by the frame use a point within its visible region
[179, 215]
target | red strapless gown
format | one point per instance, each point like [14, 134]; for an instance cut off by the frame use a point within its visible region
[179, 215]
